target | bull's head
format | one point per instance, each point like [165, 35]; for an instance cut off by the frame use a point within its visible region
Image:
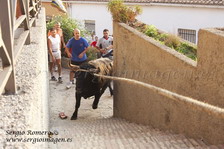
[76, 68]
[84, 76]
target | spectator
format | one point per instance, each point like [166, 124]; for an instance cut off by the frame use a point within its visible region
[59, 31]
[105, 45]
[93, 44]
[78, 56]
[54, 41]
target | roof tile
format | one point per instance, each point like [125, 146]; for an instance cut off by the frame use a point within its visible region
[192, 2]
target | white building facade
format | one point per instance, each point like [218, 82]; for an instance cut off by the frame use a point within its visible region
[95, 13]
[181, 19]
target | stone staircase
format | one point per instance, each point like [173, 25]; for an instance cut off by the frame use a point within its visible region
[97, 129]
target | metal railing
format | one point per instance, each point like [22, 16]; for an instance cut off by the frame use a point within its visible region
[16, 19]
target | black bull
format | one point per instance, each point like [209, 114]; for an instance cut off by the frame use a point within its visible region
[88, 85]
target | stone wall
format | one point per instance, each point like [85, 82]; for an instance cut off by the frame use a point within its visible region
[141, 58]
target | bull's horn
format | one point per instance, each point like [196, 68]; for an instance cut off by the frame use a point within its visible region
[73, 67]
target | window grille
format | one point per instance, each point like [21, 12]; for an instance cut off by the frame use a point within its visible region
[90, 25]
[189, 35]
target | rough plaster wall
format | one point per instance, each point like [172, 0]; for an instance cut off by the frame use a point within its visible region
[141, 105]
[150, 62]
[210, 83]
[161, 66]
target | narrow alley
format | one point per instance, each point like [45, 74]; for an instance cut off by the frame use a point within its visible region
[100, 130]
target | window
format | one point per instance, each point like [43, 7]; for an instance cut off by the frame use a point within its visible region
[90, 25]
[189, 35]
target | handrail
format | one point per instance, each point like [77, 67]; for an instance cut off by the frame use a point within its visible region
[26, 12]
[19, 21]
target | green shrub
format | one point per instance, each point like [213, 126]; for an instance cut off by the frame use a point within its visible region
[68, 25]
[142, 27]
[187, 50]
[172, 41]
[92, 53]
[123, 13]
[152, 31]
[162, 37]
[169, 40]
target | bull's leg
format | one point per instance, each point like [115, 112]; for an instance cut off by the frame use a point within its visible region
[97, 97]
[96, 100]
[111, 90]
[77, 105]
[104, 88]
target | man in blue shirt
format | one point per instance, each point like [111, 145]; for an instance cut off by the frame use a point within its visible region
[79, 47]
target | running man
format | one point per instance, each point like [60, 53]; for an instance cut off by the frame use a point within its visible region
[79, 46]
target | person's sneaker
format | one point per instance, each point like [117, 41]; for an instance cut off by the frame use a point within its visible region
[60, 79]
[53, 78]
[69, 85]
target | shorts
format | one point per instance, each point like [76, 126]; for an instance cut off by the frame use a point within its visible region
[57, 55]
[77, 63]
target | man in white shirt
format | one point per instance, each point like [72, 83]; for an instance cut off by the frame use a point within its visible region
[105, 45]
[54, 44]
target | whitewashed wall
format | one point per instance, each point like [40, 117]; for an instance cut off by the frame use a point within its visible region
[170, 18]
[165, 17]
[97, 12]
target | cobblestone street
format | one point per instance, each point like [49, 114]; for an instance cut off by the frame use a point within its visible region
[98, 129]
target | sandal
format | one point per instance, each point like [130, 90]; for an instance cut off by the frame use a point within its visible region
[62, 115]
